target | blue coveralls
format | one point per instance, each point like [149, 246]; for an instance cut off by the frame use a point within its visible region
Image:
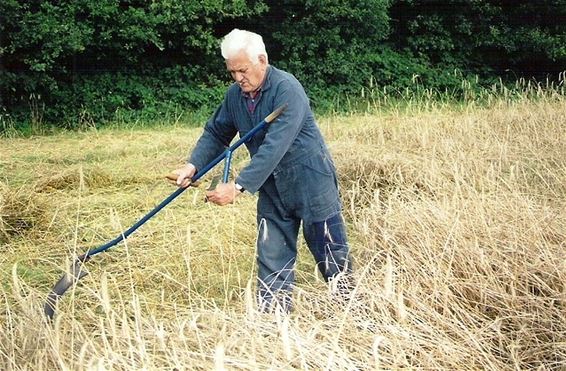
[293, 172]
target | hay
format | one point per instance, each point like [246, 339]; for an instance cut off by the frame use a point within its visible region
[456, 221]
[21, 212]
[74, 179]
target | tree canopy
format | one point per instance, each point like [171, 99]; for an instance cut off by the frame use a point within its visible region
[100, 56]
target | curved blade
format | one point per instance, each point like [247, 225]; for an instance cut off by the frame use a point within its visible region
[65, 282]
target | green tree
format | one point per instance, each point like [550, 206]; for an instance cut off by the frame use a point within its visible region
[105, 56]
[50, 48]
[527, 38]
[327, 43]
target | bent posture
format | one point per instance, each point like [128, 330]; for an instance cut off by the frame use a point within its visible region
[290, 168]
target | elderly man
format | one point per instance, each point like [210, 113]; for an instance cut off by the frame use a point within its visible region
[290, 168]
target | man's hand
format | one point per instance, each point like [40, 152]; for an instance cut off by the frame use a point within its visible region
[184, 175]
[224, 194]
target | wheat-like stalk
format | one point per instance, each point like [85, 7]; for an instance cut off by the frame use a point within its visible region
[456, 219]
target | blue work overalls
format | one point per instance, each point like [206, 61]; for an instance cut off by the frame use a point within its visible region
[295, 177]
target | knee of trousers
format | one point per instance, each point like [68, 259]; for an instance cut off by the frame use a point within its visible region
[335, 262]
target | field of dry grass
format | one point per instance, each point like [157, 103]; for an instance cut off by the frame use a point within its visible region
[457, 221]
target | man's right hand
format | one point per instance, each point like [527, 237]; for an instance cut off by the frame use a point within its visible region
[184, 175]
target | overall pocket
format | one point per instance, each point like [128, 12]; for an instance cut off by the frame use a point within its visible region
[320, 186]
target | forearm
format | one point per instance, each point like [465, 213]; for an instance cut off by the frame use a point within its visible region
[207, 148]
[217, 134]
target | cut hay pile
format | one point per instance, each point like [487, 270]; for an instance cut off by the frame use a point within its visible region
[457, 221]
[21, 211]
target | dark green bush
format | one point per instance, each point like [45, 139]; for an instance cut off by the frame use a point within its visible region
[73, 63]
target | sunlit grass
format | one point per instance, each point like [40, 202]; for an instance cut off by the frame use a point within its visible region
[457, 222]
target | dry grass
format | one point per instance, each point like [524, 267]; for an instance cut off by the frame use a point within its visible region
[457, 223]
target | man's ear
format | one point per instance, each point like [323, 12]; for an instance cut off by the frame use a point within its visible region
[262, 59]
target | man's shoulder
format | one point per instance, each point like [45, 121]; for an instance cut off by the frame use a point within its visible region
[277, 75]
[279, 78]
[233, 88]
[233, 92]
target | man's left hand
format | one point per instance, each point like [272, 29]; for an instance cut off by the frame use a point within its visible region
[223, 194]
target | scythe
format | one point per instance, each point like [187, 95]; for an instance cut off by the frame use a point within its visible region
[77, 271]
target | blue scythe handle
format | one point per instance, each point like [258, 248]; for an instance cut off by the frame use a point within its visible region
[76, 271]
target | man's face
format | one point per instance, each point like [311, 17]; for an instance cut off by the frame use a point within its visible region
[248, 75]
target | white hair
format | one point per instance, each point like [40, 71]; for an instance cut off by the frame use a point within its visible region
[240, 40]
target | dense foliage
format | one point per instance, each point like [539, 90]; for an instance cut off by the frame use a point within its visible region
[527, 38]
[69, 61]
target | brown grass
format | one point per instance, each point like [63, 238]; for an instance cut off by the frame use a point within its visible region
[456, 218]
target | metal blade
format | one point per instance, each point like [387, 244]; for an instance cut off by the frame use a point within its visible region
[70, 278]
[214, 182]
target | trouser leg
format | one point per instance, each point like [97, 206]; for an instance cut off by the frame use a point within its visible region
[276, 256]
[328, 244]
